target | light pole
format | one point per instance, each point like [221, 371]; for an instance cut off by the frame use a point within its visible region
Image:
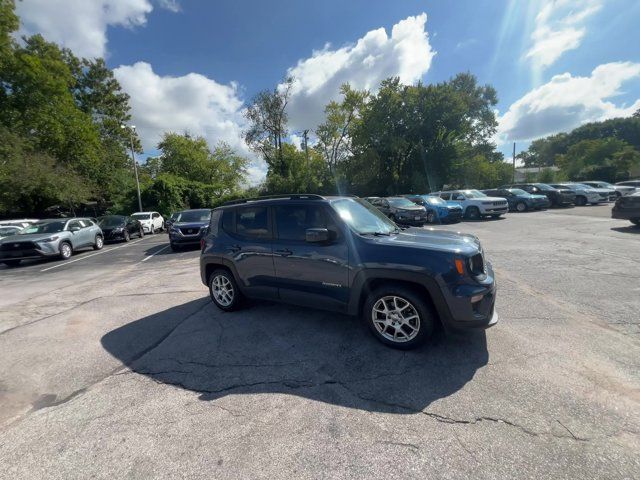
[135, 164]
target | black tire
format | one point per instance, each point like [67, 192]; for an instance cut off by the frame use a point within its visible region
[431, 217]
[495, 217]
[126, 236]
[153, 230]
[98, 243]
[65, 250]
[426, 319]
[12, 263]
[581, 201]
[472, 213]
[521, 207]
[174, 247]
[141, 233]
[224, 277]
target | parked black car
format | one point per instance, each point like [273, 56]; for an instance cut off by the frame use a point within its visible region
[188, 227]
[342, 254]
[401, 210]
[558, 197]
[518, 199]
[119, 227]
[627, 208]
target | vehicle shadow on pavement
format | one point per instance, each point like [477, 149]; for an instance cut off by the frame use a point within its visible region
[271, 348]
[628, 229]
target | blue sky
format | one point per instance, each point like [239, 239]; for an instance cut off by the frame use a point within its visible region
[193, 64]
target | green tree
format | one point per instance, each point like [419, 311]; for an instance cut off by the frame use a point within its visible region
[304, 175]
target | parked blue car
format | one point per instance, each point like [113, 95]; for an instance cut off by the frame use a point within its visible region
[519, 200]
[438, 210]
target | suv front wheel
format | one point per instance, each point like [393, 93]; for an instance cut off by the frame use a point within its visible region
[398, 317]
[224, 290]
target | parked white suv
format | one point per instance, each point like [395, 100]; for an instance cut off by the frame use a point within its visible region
[152, 222]
[475, 204]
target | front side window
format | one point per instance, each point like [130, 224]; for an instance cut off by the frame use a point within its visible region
[292, 221]
[252, 222]
[75, 224]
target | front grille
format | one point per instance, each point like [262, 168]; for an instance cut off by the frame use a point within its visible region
[15, 246]
[603, 195]
[499, 204]
[190, 231]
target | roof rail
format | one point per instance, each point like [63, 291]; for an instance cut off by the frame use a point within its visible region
[308, 196]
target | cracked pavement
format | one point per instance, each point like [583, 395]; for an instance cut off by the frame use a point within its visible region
[110, 367]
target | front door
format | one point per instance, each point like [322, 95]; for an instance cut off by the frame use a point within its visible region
[77, 234]
[314, 274]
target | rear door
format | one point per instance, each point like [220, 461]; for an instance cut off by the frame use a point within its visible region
[249, 248]
[314, 274]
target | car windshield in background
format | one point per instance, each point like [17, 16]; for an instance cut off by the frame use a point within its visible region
[517, 191]
[473, 194]
[141, 216]
[45, 227]
[362, 217]
[8, 230]
[114, 221]
[435, 200]
[195, 216]
[400, 202]
[580, 185]
[544, 186]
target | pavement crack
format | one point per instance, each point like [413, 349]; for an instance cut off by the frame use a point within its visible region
[412, 446]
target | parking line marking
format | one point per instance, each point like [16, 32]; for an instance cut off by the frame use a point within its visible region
[155, 253]
[92, 255]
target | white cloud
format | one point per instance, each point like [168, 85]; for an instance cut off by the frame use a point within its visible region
[81, 25]
[171, 5]
[559, 27]
[566, 102]
[374, 57]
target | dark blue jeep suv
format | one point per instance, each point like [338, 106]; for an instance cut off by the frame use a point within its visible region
[343, 254]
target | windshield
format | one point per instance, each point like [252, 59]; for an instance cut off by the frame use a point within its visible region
[400, 202]
[435, 201]
[8, 231]
[194, 216]
[362, 217]
[580, 185]
[517, 191]
[45, 227]
[142, 216]
[473, 194]
[111, 221]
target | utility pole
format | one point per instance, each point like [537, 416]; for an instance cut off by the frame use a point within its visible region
[305, 136]
[514, 162]
[135, 165]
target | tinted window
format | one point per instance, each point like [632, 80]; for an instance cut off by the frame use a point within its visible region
[252, 222]
[215, 221]
[141, 216]
[86, 223]
[74, 224]
[156, 215]
[292, 221]
[445, 196]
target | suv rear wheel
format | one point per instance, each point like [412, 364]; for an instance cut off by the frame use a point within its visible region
[224, 290]
[398, 317]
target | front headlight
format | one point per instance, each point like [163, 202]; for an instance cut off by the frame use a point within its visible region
[487, 203]
[50, 239]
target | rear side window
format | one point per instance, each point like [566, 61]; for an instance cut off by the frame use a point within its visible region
[253, 222]
[228, 220]
[214, 222]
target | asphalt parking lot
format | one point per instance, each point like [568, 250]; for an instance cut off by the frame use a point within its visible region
[116, 365]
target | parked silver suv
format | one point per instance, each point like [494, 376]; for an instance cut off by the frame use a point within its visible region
[49, 238]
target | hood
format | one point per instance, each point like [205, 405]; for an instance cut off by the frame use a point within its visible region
[30, 237]
[491, 199]
[432, 239]
[189, 224]
[416, 208]
[535, 196]
[603, 190]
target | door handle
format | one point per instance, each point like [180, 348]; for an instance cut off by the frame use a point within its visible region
[235, 248]
[285, 252]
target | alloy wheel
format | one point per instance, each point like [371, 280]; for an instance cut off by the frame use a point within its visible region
[396, 319]
[65, 250]
[521, 207]
[222, 290]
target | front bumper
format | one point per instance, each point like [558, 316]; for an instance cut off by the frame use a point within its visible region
[30, 253]
[180, 239]
[625, 214]
[495, 210]
[453, 216]
[411, 220]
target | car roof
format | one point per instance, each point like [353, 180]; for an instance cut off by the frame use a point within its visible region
[275, 199]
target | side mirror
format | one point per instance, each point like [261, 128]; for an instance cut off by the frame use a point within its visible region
[74, 229]
[317, 235]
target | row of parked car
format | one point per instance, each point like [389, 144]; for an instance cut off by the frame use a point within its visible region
[451, 206]
[29, 238]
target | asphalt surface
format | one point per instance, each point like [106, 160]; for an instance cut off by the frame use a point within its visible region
[116, 365]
